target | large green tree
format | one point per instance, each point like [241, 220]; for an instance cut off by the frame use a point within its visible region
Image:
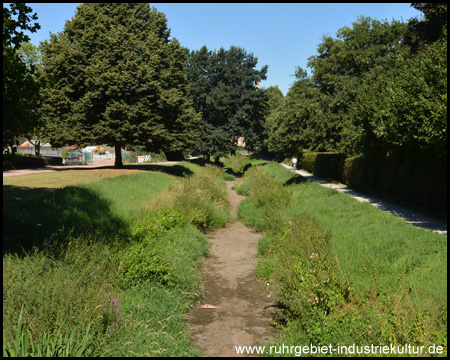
[118, 80]
[299, 122]
[429, 28]
[346, 67]
[31, 56]
[20, 89]
[223, 87]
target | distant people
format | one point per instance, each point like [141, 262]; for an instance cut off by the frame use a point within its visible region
[294, 162]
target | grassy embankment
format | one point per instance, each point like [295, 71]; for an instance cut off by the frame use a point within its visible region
[113, 262]
[345, 272]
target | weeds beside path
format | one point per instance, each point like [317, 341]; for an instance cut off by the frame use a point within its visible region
[244, 313]
[409, 215]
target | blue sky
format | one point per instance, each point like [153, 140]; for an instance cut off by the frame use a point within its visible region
[282, 36]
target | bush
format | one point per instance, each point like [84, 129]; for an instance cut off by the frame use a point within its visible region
[7, 165]
[25, 162]
[305, 279]
[19, 161]
[140, 262]
[237, 164]
[203, 201]
[268, 199]
[309, 161]
[329, 165]
[353, 172]
[416, 179]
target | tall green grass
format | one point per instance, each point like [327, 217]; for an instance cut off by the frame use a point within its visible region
[115, 262]
[345, 272]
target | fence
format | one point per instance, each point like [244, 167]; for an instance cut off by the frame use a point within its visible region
[78, 157]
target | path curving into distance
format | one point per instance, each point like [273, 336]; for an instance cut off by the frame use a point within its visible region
[236, 311]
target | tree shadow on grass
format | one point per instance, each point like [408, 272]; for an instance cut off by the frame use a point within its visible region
[176, 170]
[33, 215]
[296, 179]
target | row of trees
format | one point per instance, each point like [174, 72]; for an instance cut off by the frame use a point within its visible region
[377, 87]
[114, 76]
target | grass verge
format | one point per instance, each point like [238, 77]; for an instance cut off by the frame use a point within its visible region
[345, 272]
[110, 267]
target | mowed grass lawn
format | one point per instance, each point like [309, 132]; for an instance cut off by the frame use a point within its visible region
[58, 179]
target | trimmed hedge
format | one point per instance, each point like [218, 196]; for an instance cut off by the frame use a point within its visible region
[326, 164]
[308, 161]
[352, 173]
[417, 178]
[18, 161]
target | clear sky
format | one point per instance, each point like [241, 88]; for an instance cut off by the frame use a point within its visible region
[281, 35]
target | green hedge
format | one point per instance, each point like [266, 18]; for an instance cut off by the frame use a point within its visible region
[18, 161]
[326, 164]
[352, 172]
[308, 161]
[416, 178]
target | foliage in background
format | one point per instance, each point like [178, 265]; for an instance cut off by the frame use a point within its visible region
[223, 88]
[377, 91]
[132, 157]
[371, 91]
[118, 81]
[20, 88]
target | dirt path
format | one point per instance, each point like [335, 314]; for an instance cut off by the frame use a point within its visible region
[244, 313]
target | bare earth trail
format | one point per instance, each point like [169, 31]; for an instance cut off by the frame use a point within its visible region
[244, 313]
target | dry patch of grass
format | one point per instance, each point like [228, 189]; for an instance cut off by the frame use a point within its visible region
[58, 179]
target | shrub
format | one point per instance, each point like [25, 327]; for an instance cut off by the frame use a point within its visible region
[268, 199]
[142, 263]
[155, 224]
[24, 162]
[132, 157]
[353, 172]
[305, 279]
[203, 201]
[7, 165]
[237, 164]
[309, 161]
[329, 165]
[52, 160]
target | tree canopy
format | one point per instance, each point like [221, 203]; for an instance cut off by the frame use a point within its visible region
[20, 88]
[371, 90]
[223, 87]
[117, 80]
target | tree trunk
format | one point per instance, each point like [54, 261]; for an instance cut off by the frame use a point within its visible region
[118, 164]
[37, 148]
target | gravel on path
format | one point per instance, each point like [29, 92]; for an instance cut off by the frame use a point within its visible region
[408, 215]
